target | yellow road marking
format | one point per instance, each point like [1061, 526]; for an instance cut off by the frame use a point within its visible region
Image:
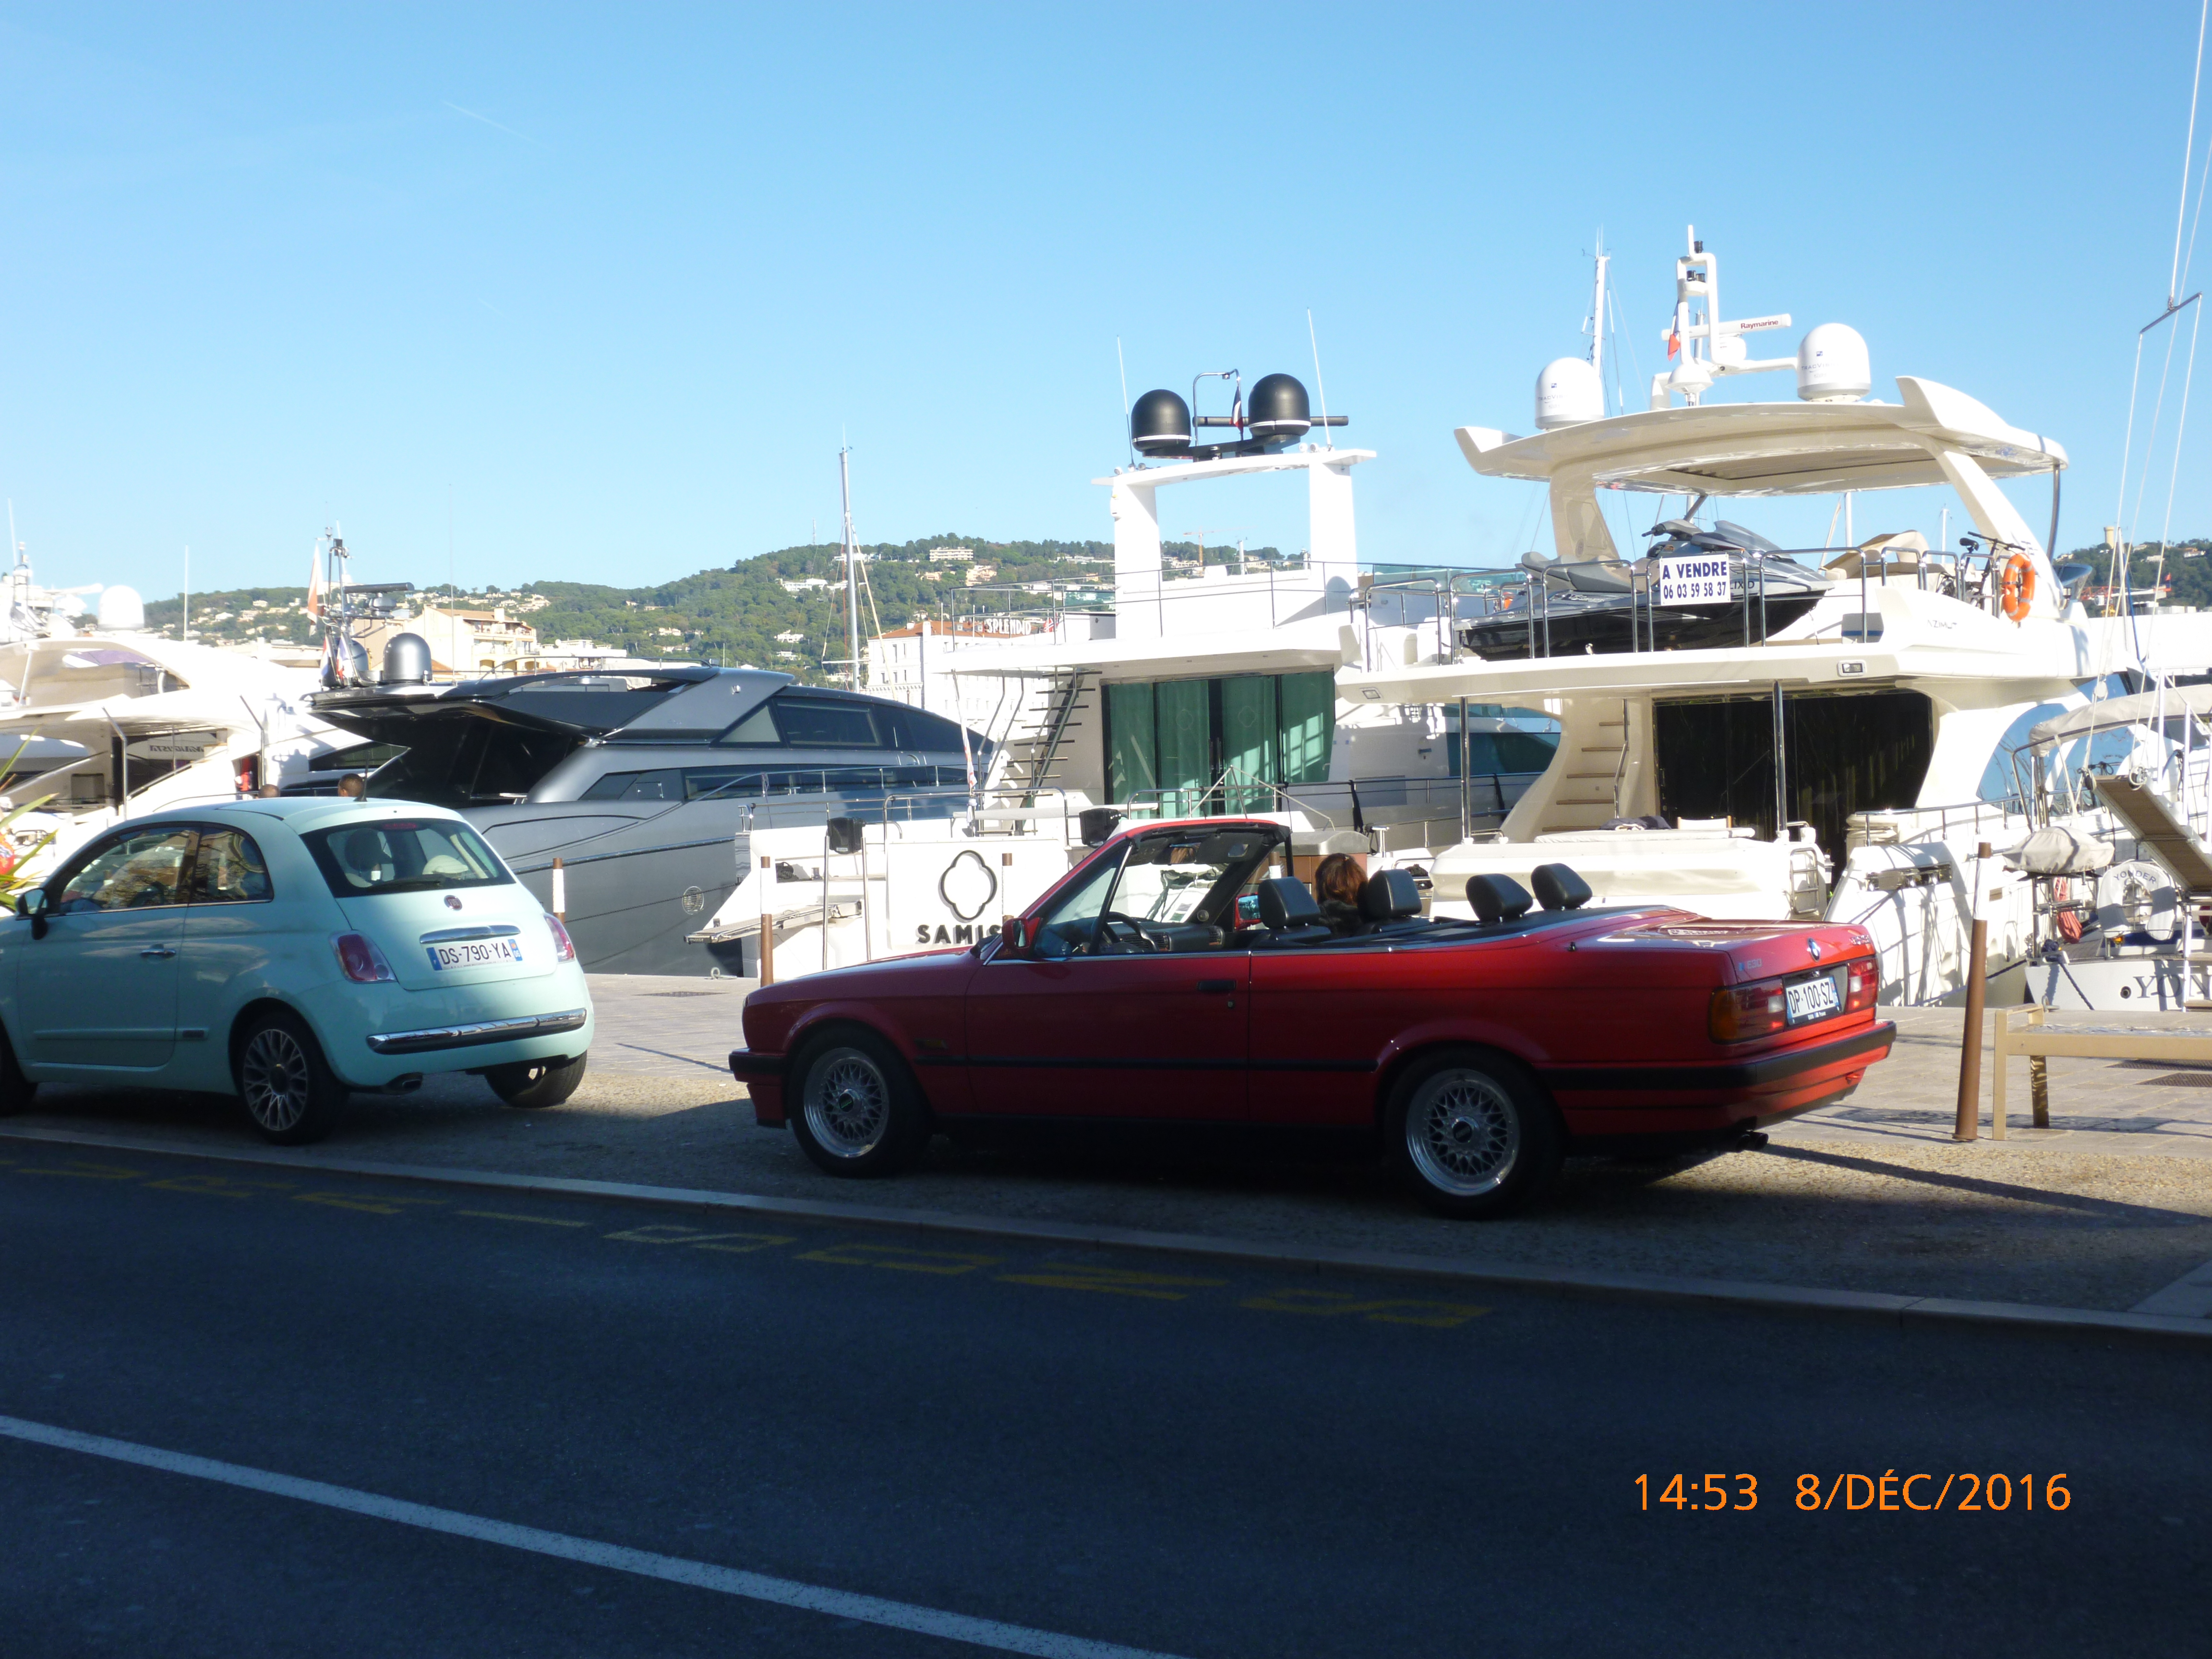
[1396, 1311]
[85, 1171]
[670, 1233]
[1111, 1281]
[367, 1204]
[504, 1215]
[215, 1186]
[902, 1258]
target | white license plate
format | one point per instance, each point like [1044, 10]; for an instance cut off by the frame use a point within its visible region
[475, 953]
[1812, 999]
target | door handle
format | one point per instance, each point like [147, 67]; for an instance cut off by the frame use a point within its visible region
[1216, 987]
[157, 950]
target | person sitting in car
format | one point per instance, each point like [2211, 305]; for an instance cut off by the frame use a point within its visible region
[1336, 886]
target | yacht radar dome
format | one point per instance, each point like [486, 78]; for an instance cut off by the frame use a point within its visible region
[121, 609]
[1278, 410]
[1568, 392]
[1832, 365]
[407, 660]
[1160, 424]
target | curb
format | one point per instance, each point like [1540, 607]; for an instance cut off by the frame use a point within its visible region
[1904, 1311]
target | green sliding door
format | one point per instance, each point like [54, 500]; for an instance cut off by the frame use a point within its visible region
[1308, 725]
[1185, 723]
[1131, 768]
[1248, 743]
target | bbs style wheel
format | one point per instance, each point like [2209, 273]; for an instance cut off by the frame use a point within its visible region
[855, 1108]
[289, 1092]
[1472, 1134]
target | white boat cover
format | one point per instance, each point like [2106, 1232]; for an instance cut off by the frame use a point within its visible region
[2142, 709]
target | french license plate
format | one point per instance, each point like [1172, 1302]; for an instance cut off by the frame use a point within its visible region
[475, 953]
[1811, 999]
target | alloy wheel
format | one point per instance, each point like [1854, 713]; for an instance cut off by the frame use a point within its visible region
[275, 1079]
[1462, 1133]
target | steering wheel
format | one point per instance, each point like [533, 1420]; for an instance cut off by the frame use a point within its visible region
[1126, 932]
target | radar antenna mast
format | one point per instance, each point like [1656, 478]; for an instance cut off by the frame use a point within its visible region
[852, 553]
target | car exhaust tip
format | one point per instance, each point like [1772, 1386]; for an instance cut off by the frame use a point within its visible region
[405, 1086]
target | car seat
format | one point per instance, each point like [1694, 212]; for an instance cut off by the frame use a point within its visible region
[1497, 898]
[1390, 902]
[1558, 888]
[1288, 915]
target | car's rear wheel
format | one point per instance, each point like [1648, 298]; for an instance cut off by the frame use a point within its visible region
[15, 1089]
[858, 1110]
[534, 1083]
[289, 1091]
[1472, 1134]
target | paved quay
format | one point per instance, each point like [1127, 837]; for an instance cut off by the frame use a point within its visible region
[2112, 1210]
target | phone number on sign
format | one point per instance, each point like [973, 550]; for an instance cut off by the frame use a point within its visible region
[1959, 1494]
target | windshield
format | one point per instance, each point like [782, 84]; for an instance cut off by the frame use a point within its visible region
[1163, 880]
[405, 856]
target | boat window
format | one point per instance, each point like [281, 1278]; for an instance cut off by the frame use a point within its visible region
[811, 723]
[912, 728]
[757, 727]
[404, 855]
[720, 783]
[130, 872]
[228, 869]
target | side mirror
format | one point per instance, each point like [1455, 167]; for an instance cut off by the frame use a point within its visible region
[33, 905]
[1015, 937]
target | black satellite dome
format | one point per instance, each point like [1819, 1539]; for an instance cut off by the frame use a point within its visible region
[1277, 409]
[1160, 424]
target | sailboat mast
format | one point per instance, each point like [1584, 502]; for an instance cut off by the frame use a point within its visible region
[1597, 315]
[852, 569]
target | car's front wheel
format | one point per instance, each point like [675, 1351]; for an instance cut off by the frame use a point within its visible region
[858, 1110]
[289, 1090]
[531, 1083]
[15, 1089]
[1472, 1134]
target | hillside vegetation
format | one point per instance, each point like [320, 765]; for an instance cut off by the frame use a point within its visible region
[734, 615]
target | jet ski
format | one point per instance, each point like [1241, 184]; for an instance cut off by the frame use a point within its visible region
[1575, 606]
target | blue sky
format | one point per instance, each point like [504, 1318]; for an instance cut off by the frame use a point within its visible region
[613, 281]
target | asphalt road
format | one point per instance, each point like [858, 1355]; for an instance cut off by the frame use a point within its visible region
[1085, 1447]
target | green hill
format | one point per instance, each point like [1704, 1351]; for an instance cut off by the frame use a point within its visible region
[734, 615]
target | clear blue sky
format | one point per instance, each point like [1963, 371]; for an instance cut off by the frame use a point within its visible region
[618, 278]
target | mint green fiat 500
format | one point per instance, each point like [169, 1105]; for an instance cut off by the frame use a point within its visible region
[290, 952]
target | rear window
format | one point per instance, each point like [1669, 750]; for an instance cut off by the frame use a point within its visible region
[403, 855]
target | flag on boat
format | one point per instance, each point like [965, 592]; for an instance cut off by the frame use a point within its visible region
[315, 606]
[1674, 342]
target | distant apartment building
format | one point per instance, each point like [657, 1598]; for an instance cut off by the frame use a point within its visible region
[948, 555]
[917, 664]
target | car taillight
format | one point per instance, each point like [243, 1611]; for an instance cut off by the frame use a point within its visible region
[1863, 979]
[363, 963]
[564, 948]
[1742, 1011]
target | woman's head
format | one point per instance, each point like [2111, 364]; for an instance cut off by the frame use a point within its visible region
[1339, 878]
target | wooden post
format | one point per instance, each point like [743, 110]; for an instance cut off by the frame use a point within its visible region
[1968, 1125]
[767, 923]
[560, 892]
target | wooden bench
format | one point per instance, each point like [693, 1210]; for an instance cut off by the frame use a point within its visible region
[2037, 1041]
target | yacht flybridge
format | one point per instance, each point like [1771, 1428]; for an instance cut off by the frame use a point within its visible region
[1848, 758]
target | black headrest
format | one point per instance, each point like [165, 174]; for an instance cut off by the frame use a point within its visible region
[1497, 898]
[1558, 888]
[1389, 896]
[1286, 903]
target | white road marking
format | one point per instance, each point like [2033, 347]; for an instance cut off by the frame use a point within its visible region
[675, 1569]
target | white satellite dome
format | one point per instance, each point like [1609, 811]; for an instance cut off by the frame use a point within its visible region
[121, 608]
[1832, 365]
[1568, 392]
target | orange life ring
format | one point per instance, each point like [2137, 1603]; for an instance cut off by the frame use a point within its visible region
[2016, 585]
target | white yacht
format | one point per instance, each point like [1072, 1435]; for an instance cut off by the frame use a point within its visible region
[1848, 762]
[106, 719]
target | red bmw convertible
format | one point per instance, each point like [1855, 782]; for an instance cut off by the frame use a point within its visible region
[1175, 975]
